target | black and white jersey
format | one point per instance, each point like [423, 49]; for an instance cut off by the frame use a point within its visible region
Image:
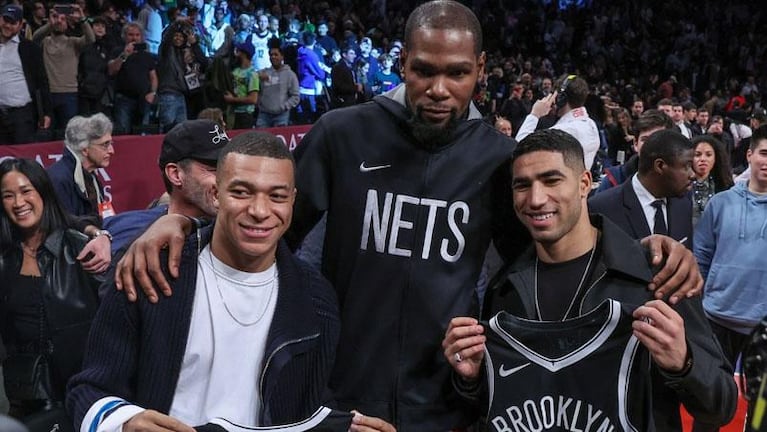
[323, 420]
[588, 373]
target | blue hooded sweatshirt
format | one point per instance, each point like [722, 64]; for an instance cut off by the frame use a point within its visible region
[731, 249]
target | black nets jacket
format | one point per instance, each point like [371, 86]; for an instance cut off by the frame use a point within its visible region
[407, 232]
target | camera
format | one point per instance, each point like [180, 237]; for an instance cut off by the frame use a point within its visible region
[141, 46]
[64, 9]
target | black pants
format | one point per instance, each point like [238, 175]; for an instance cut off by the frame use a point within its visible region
[733, 343]
[17, 125]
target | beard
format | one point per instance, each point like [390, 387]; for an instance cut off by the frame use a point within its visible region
[429, 135]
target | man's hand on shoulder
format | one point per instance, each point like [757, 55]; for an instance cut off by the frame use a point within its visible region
[153, 421]
[679, 277]
[141, 262]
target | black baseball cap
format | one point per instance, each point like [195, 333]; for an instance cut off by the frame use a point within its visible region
[200, 140]
[12, 13]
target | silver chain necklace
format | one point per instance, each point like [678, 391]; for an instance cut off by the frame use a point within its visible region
[577, 291]
[221, 295]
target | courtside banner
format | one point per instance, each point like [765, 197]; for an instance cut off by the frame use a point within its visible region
[133, 178]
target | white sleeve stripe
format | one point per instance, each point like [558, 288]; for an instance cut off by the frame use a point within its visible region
[93, 416]
[120, 411]
[116, 420]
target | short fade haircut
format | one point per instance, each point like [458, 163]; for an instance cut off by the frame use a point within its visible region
[81, 131]
[667, 145]
[256, 144]
[553, 140]
[759, 134]
[577, 90]
[444, 15]
[652, 119]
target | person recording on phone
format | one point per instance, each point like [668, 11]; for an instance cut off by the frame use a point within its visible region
[567, 104]
[135, 73]
[60, 56]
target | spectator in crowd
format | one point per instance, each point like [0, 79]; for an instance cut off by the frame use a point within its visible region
[361, 69]
[244, 96]
[637, 108]
[150, 20]
[567, 104]
[135, 74]
[656, 199]
[666, 106]
[173, 87]
[310, 78]
[713, 173]
[700, 126]
[678, 117]
[88, 146]
[119, 379]
[244, 27]
[47, 298]
[188, 158]
[92, 75]
[366, 46]
[386, 79]
[327, 43]
[278, 90]
[344, 87]
[690, 113]
[513, 108]
[730, 249]
[222, 36]
[260, 41]
[647, 124]
[687, 365]
[620, 137]
[274, 27]
[24, 98]
[392, 317]
[38, 16]
[503, 126]
[716, 128]
[60, 56]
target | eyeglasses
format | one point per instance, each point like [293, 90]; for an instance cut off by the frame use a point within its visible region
[105, 145]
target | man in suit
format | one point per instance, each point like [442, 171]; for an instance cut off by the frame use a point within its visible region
[655, 200]
[345, 88]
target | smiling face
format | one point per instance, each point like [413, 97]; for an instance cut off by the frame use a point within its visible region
[549, 196]
[441, 70]
[703, 160]
[757, 161]
[254, 196]
[21, 201]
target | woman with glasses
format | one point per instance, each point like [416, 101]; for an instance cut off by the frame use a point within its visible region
[47, 299]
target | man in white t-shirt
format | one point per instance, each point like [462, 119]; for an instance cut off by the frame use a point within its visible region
[249, 336]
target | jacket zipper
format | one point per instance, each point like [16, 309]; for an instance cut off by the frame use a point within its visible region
[266, 367]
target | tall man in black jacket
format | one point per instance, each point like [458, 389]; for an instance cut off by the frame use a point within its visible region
[24, 96]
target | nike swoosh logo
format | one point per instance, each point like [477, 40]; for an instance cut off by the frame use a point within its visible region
[364, 168]
[506, 372]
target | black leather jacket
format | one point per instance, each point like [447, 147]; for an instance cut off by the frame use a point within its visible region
[70, 299]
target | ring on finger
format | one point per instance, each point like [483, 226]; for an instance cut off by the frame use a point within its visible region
[458, 357]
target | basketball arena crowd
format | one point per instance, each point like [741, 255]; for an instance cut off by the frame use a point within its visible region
[506, 215]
